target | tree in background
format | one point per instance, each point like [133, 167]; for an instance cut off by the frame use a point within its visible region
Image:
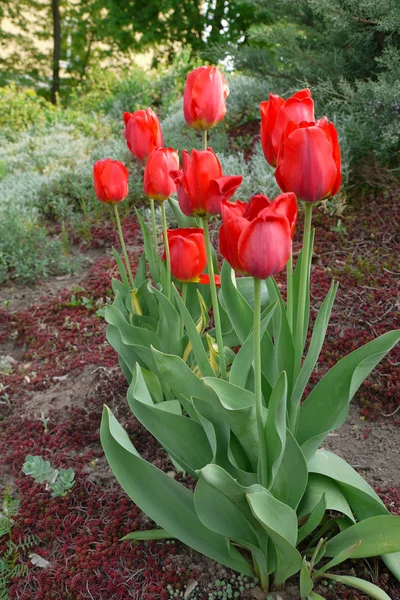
[347, 51]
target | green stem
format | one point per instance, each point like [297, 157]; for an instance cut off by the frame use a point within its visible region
[204, 139]
[184, 296]
[167, 253]
[289, 291]
[154, 229]
[262, 576]
[303, 289]
[257, 382]
[213, 288]
[121, 239]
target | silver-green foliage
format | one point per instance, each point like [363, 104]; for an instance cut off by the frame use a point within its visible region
[60, 482]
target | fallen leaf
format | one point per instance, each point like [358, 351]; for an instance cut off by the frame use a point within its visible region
[192, 584]
[39, 561]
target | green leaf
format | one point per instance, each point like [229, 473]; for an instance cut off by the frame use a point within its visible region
[313, 520]
[168, 330]
[317, 340]
[360, 584]
[314, 596]
[275, 428]
[197, 344]
[291, 479]
[148, 248]
[319, 486]
[182, 437]
[121, 269]
[40, 470]
[327, 406]
[238, 309]
[141, 271]
[152, 534]
[182, 220]
[130, 335]
[245, 285]
[378, 535]
[125, 352]
[173, 509]
[280, 523]
[244, 358]
[153, 385]
[339, 558]
[306, 583]
[296, 286]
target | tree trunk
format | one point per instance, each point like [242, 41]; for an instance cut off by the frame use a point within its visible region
[55, 86]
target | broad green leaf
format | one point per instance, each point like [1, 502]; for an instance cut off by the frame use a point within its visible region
[275, 428]
[173, 509]
[125, 352]
[124, 367]
[130, 335]
[317, 340]
[280, 523]
[245, 285]
[181, 219]
[378, 535]
[238, 309]
[141, 271]
[182, 437]
[291, 479]
[153, 385]
[314, 596]
[360, 584]
[151, 534]
[148, 247]
[148, 301]
[339, 558]
[237, 407]
[197, 344]
[168, 330]
[319, 486]
[313, 520]
[244, 358]
[121, 269]
[327, 406]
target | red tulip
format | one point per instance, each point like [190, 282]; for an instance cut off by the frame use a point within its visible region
[256, 238]
[142, 132]
[309, 161]
[157, 182]
[204, 99]
[188, 253]
[276, 113]
[201, 185]
[110, 181]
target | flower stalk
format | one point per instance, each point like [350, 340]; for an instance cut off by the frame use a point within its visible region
[123, 246]
[257, 382]
[167, 252]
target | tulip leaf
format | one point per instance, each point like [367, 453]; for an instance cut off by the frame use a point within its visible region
[378, 535]
[360, 584]
[130, 335]
[275, 428]
[168, 330]
[124, 368]
[153, 385]
[182, 220]
[314, 596]
[126, 352]
[244, 358]
[291, 478]
[280, 523]
[238, 309]
[327, 406]
[296, 288]
[317, 340]
[319, 487]
[306, 583]
[121, 269]
[148, 247]
[151, 534]
[173, 509]
[339, 558]
[182, 437]
[197, 344]
[313, 520]
[141, 274]
[245, 285]
[149, 301]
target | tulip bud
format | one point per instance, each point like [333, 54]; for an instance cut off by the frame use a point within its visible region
[142, 132]
[188, 253]
[110, 181]
[276, 113]
[204, 98]
[309, 161]
[157, 182]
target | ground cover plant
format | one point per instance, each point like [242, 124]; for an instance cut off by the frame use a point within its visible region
[74, 353]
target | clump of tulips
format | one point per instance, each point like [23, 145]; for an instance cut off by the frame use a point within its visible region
[268, 501]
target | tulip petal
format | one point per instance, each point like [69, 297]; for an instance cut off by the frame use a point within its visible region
[188, 255]
[286, 205]
[257, 203]
[269, 111]
[298, 108]
[205, 278]
[265, 245]
[229, 233]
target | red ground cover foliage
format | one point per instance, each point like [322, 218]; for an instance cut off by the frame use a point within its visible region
[79, 534]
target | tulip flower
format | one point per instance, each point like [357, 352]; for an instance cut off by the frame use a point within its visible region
[201, 185]
[111, 187]
[308, 161]
[188, 253]
[157, 182]
[204, 98]
[276, 113]
[110, 181]
[142, 132]
[256, 238]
